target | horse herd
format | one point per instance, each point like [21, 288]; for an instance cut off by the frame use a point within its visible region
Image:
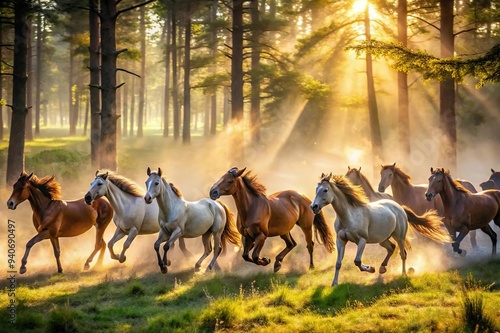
[363, 215]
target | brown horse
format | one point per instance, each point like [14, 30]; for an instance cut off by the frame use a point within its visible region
[463, 210]
[54, 217]
[493, 183]
[357, 178]
[413, 196]
[261, 216]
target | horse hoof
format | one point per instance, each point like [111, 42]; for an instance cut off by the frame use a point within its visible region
[197, 269]
[22, 270]
[86, 267]
[122, 259]
[382, 269]
[311, 267]
[463, 253]
[370, 269]
[168, 262]
[277, 266]
[163, 270]
[266, 261]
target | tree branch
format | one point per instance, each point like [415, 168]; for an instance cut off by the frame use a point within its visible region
[131, 7]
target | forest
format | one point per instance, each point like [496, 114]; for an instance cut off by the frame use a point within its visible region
[289, 89]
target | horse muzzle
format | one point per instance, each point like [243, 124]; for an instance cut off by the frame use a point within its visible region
[315, 208]
[214, 193]
[88, 198]
[381, 188]
[429, 196]
[11, 204]
[148, 198]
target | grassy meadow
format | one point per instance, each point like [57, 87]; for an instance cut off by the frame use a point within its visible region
[445, 293]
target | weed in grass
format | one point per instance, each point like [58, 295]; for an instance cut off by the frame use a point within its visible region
[220, 314]
[135, 288]
[29, 320]
[473, 315]
[62, 320]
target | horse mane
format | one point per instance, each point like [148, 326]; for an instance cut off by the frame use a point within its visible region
[253, 185]
[124, 184]
[399, 172]
[173, 187]
[48, 186]
[456, 184]
[354, 194]
[364, 178]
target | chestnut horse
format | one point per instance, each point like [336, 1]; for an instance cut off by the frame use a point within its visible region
[261, 216]
[357, 178]
[493, 183]
[413, 196]
[363, 222]
[54, 217]
[463, 210]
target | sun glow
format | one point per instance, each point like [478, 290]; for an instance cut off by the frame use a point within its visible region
[359, 7]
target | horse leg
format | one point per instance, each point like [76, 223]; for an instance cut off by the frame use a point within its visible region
[100, 244]
[217, 252]
[290, 244]
[310, 245]
[182, 246]
[57, 252]
[456, 244]
[487, 230]
[390, 247]
[171, 240]
[248, 244]
[207, 248]
[39, 237]
[341, 243]
[359, 253]
[259, 244]
[473, 240]
[161, 238]
[132, 233]
[119, 234]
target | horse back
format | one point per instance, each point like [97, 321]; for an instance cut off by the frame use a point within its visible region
[288, 208]
[482, 207]
[77, 217]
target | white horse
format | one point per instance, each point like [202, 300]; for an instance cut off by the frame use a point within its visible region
[132, 216]
[180, 218]
[364, 222]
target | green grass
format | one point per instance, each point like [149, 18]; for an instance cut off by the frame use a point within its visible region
[182, 301]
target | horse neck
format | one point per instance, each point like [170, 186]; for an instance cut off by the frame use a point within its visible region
[117, 198]
[367, 187]
[169, 203]
[449, 194]
[242, 197]
[37, 200]
[340, 204]
[400, 188]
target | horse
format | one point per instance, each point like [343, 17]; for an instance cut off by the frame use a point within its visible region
[261, 216]
[413, 196]
[132, 215]
[363, 222]
[180, 218]
[493, 183]
[464, 211]
[357, 178]
[54, 217]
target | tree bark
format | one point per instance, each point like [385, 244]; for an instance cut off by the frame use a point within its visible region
[38, 92]
[29, 83]
[255, 62]
[15, 157]
[186, 127]
[237, 81]
[95, 76]
[213, 52]
[175, 80]
[403, 103]
[142, 82]
[166, 94]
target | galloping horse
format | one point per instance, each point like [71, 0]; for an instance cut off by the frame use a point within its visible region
[363, 222]
[132, 215]
[261, 216]
[181, 218]
[463, 210]
[493, 183]
[357, 178]
[413, 196]
[54, 217]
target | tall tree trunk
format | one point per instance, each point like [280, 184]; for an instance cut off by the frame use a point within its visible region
[237, 80]
[376, 136]
[403, 104]
[142, 84]
[175, 80]
[95, 77]
[166, 94]
[447, 119]
[1, 83]
[186, 127]
[255, 62]
[132, 106]
[213, 52]
[15, 157]
[38, 93]
[71, 92]
[125, 110]
[29, 83]
[108, 85]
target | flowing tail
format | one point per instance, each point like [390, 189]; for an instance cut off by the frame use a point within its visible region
[324, 232]
[428, 224]
[230, 233]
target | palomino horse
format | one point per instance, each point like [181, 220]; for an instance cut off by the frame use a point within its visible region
[463, 210]
[181, 218]
[261, 216]
[357, 178]
[413, 196]
[132, 215]
[493, 183]
[54, 217]
[364, 222]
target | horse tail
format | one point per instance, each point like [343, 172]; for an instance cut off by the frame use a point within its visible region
[428, 224]
[230, 233]
[324, 232]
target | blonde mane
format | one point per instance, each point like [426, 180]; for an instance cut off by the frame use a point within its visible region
[354, 194]
[123, 183]
[176, 191]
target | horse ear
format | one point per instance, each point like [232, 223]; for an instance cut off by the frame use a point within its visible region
[105, 175]
[159, 171]
[348, 168]
[394, 164]
[492, 171]
[322, 175]
[329, 176]
[148, 171]
[359, 168]
[29, 176]
[96, 172]
[240, 172]
[432, 169]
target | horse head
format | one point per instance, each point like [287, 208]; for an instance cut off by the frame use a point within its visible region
[20, 191]
[436, 183]
[324, 193]
[153, 185]
[386, 176]
[98, 187]
[226, 185]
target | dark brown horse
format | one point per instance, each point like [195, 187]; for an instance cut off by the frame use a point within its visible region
[261, 216]
[463, 210]
[54, 217]
[493, 183]
[413, 196]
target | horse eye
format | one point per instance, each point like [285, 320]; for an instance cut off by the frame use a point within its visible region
[325, 190]
[157, 183]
